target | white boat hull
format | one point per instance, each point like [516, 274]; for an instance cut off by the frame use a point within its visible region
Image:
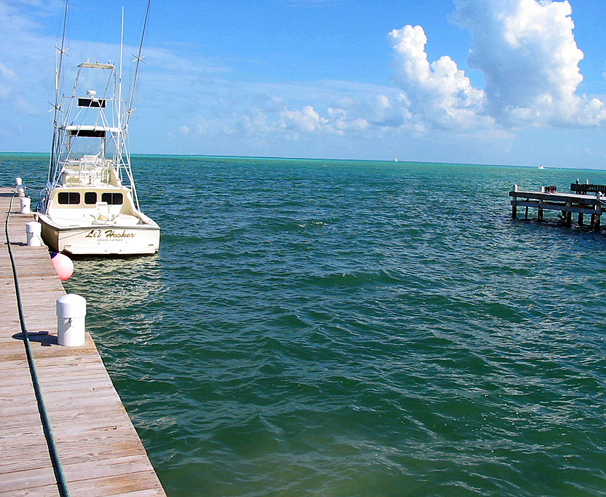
[101, 240]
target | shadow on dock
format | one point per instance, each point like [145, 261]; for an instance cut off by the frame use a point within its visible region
[44, 338]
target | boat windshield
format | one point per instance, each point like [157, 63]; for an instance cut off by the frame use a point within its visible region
[85, 145]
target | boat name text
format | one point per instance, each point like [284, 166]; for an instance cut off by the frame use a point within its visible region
[109, 234]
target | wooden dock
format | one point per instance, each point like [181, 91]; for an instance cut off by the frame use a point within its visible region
[567, 203]
[99, 449]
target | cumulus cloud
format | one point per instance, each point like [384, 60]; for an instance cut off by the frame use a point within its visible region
[335, 121]
[525, 50]
[439, 92]
[292, 124]
[306, 119]
[530, 61]
[529, 58]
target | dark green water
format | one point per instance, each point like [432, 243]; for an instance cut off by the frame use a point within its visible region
[361, 329]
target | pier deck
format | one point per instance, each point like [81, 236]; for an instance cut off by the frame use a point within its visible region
[100, 451]
[567, 203]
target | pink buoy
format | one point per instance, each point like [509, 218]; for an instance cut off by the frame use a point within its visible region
[63, 265]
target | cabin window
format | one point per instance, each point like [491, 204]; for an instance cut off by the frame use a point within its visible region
[70, 198]
[112, 198]
[90, 198]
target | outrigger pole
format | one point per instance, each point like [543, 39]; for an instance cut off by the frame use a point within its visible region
[57, 105]
[129, 108]
[139, 58]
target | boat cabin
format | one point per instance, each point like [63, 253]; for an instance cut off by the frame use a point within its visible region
[99, 206]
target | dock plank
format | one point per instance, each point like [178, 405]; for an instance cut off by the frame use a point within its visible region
[100, 450]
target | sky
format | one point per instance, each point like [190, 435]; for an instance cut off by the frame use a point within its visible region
[518, 82]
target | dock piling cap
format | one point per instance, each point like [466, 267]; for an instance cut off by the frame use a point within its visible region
[71, 306]
[19, 187]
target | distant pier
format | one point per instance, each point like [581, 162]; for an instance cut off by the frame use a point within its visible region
[98, 448]
[587, 205]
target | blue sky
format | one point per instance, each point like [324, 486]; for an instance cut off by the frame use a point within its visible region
[471, 81]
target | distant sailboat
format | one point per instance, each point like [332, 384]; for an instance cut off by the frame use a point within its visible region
[396, 160]
[541, 166]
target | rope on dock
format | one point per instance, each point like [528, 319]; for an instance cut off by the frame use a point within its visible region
[48, 432]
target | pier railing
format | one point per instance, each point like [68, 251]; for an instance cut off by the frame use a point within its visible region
[584, 188]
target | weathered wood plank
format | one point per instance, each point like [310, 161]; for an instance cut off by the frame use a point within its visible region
[81, 451]
[111, 485]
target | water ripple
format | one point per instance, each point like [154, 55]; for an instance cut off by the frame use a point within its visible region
[356, 329]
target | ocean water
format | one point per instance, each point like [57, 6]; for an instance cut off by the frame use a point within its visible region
[327, 328]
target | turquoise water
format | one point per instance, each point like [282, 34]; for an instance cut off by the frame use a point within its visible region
[325, 328]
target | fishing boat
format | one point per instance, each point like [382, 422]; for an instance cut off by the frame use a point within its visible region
[90, 204]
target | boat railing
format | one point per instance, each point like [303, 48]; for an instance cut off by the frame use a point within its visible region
[87, 170]
[91, 162]
[86, 178]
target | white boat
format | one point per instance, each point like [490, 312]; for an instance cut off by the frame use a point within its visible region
[541, 166]
[90, 204]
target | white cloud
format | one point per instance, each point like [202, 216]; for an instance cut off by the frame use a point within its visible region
[335, 121]
[287, 124]
[7, 75]
[306, 119]
[340, 122]
[438, 93]
[530, 61]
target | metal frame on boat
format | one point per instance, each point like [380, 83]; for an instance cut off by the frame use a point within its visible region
[90, 204]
